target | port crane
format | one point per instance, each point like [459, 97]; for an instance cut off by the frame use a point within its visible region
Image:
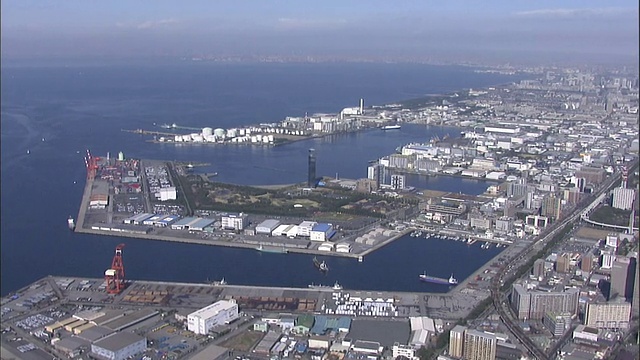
[114, 276]
[92, 165]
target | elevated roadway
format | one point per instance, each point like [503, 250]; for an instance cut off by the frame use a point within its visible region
[499, 296]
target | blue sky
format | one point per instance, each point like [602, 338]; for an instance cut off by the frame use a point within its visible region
[409, 28]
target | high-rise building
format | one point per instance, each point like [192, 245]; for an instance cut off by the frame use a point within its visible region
[635, 301]
[479, 345]
[608, 315]
[623, 277]
[538, 268]
[623, 198]
[562, 263]
[586, 263]
[311, 182]
[551, 207]
[456, 341]
[521, 301]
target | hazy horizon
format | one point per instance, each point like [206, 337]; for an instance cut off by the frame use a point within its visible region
[495, 31]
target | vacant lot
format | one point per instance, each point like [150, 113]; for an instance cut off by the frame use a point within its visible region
[243, 342]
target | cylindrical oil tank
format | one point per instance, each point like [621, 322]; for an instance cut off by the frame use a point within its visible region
[207, 131]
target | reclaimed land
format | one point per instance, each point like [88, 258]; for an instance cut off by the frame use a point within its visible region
[203, 195]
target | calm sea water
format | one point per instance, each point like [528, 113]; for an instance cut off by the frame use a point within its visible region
[57, 113]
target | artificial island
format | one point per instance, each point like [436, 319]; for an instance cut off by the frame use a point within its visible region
[562, 155]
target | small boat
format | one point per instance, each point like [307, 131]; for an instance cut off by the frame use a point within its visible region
[391, 127]
[320, 265]
[71, 223]
[220, 283]
[28, 151]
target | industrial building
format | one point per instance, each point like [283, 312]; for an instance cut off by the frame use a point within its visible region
[218, 313]
[119, 346]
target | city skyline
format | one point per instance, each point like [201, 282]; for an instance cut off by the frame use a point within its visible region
[579, 31]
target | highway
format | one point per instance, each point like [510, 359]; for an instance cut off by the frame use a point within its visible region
[499, 297]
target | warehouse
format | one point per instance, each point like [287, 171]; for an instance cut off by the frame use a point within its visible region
[137, 219]
[184, 224]
[119, 346]
[218, 313]
[153, 220]
[281, 230]
[322, 232]
[167, 220]
[201, 224]
[266, 227]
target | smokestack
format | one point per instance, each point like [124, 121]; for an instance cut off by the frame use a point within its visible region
[361, 106]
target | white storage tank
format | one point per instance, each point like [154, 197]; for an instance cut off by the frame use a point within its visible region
[220, 133]
[207, 131]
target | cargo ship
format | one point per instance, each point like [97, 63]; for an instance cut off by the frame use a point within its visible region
[272, 250]
[391, 127]
[335, 286]
[71, 223]
[320, 265]
[436, 280]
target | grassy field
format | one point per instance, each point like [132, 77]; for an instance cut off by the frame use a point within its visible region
[243, 342]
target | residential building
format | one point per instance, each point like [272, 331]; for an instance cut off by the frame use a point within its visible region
[479, 345]
[614, 314]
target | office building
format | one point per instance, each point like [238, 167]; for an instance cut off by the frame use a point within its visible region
[557, 323]
[613, 314]
[538, 268]
[456, 341]
[586, 263]
[479, 345]
[608, 256]
[218, 313]
[312, 180]
[562, 263]
[397, 182]
[623, 277]
[234, 221]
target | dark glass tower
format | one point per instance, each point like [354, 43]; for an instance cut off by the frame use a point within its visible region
[312, 168]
